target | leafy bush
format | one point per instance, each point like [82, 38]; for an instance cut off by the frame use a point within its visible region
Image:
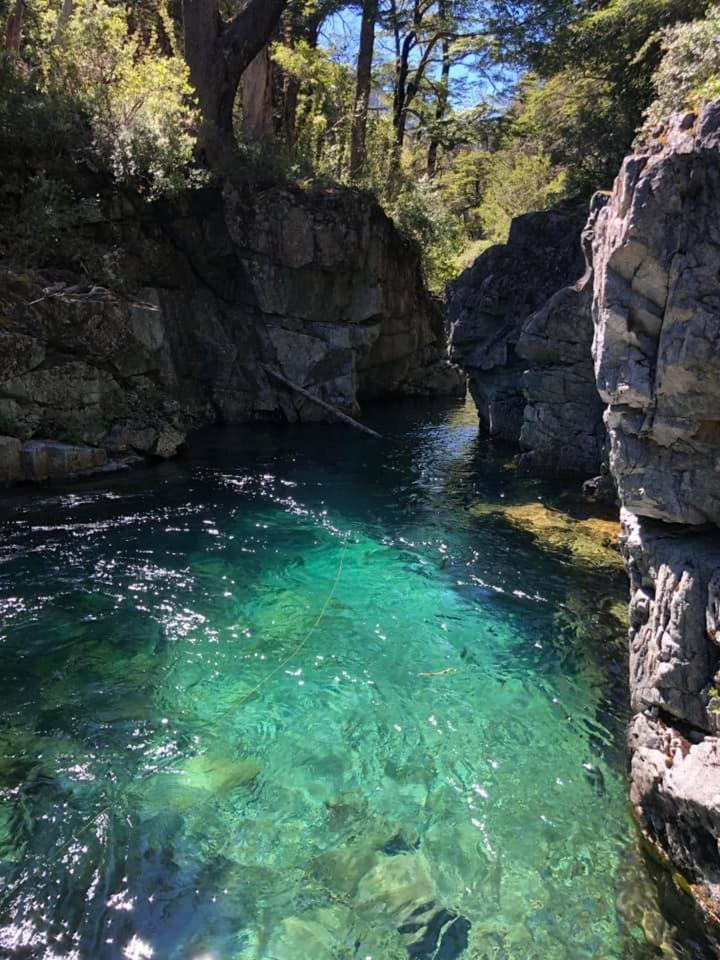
[517, 183]
[323, 114]
[689, 71]
[138, 104]
[92, 88]
[575, 120]
[421, 213]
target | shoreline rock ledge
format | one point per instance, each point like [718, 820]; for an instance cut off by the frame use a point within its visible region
[656, 311]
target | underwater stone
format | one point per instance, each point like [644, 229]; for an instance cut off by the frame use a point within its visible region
[397, 886]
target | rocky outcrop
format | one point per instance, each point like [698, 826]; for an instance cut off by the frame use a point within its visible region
[674, 675]
[562, 428]
[657, 315]
[191, 303]
[657, 361]
[489, 303]
[522, 329]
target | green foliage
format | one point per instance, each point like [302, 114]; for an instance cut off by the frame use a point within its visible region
[595, 83]
[575, 121]
[324, 107]
[37, 128]
[139, 104]
[689, 71]
[96, 89]
[517, 182]
[421, 214]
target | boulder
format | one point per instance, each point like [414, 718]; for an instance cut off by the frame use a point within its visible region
[10, 467]
[50, 460]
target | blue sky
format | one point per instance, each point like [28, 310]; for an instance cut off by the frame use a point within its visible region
[341, 32]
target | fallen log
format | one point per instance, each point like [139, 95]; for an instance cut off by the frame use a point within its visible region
[343, 417]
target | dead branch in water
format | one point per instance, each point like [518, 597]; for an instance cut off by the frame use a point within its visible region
[322, 403]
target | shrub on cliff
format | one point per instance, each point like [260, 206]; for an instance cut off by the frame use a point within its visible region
[421, 214]
[689, 71]
[139, 104]
[95, 82]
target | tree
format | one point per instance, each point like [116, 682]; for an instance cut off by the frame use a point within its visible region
[443, 95]
[363, 87]
[217, 53]
[13, 31]
[300, 26]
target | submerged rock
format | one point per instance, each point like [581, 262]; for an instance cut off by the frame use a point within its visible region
[218, 774]
[325, 933]
[397, 887]
[588, 540]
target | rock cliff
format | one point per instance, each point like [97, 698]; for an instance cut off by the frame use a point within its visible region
[489, 303]
[562, 428]
[521, 327]
[657, 360]
[186, 307]
[649, 306]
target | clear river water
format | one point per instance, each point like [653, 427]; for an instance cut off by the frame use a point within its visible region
[304, 695]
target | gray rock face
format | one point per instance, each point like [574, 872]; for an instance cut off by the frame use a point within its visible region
[492, 300]
[657, 361]
[674, 648]
[209, 292]
[657, 323]
[562, 428]
[675, 791]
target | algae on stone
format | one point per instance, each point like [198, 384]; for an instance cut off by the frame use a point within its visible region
[589, 540]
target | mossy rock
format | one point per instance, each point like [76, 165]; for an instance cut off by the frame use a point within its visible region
[591, 541]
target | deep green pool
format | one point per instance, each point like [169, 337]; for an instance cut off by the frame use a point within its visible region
[295, 698]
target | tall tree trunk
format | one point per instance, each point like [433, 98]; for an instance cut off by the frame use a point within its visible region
[218, 53]
[13, 31]
[362, 90]
[291, 32]
[65, 14]
[256, 97]
[440, 109]
[400, 104]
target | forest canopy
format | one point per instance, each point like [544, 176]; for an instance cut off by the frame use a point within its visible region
[457, 114]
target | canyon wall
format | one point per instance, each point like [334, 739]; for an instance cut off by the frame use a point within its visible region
[634, 342]
[521, 328]
[184, 310]
[656, 251]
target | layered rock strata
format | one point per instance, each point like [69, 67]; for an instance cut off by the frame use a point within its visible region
[190, 304]
[657, 360]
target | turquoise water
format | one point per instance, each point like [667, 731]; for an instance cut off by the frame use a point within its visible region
[295, 698]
